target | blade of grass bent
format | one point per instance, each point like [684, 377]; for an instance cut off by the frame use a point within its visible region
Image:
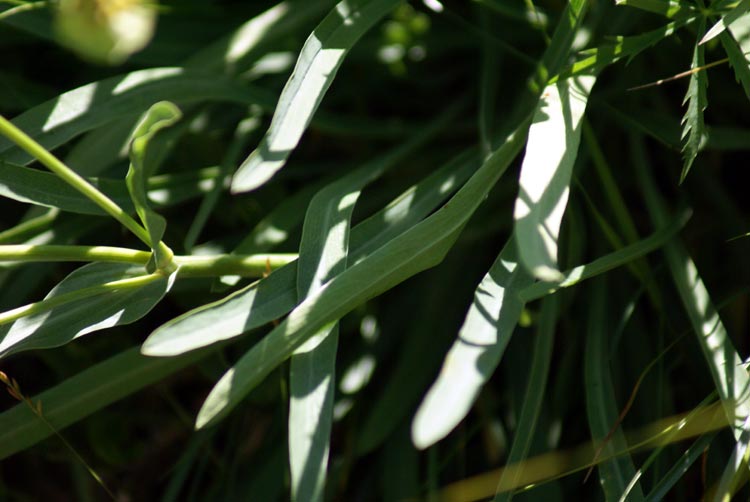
[547, 167]
[276, 295]
[601, 408]
[726, 21]
[415, 250]
[318, 62]
[477, 351]
[532, 402]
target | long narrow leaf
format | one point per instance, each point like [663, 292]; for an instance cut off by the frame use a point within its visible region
[61, 324]
[693, 124]
[551, 151]
[275, 296]
[601, 407]
[84, 394]
[316, 68]
[480, 345]
[532, 402]
[419, 248]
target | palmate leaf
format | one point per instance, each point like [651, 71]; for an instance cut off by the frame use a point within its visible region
[316, 68]
[693, 125]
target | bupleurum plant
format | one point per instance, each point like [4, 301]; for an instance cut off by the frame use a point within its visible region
[374, 250]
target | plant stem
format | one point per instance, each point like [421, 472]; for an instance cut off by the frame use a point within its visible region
[255, 265]
[226, 264]
[72, 178]
[26, 253]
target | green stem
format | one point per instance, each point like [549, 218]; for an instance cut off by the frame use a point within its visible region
[72, 178]
[244, 265]
[27, 253]
[255, 265]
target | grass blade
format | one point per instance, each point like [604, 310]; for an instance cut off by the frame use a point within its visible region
[601, 407]
[85, 393]
[670, 478]
[532, 402]
[551, 151]
[316, 68]
[477, 351]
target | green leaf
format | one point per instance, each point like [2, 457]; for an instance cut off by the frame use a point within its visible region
[41, 188]
[693, 125]
[608, 262]
[57, 121]
[159, 116]
[271, 298]
[85, 393]
[601, 406]
[624, 47]
[737, 60]
[62, 323]
[547, 167]
[725, 22]
[316, 68]
[532, 401]
[678, 470]
[234, 52]
[730, 378]
[473, 358]
[323, 255]
[668, 8]
[417, 249]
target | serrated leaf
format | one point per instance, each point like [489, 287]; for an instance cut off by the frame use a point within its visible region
[624, 47]
[481, 342]
[693, 125]
[546, 171]
[63, 323]
[159, 116]
[318, 62]
[725, 22]
[737, 60]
